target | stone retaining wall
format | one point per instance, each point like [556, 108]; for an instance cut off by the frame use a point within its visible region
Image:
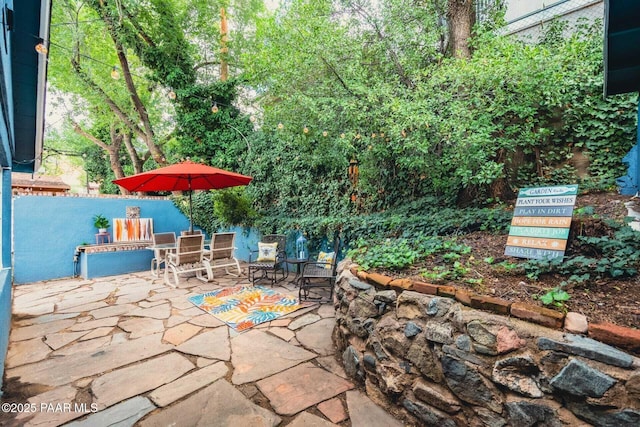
[432, 360]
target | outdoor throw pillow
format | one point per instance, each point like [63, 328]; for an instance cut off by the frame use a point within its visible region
[326, 257]
[267, 252]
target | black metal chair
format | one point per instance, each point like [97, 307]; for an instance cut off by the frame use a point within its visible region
[317, 275]
[268, 261]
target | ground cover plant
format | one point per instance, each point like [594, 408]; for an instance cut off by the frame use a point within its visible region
[598, 276]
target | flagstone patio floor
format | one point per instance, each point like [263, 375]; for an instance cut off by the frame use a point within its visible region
[128, 350]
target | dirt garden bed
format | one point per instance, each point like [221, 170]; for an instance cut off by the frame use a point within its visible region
[600, 299]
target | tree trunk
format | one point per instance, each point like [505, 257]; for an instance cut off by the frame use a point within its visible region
[460, 17]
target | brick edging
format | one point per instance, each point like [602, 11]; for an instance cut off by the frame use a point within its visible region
[619, 336]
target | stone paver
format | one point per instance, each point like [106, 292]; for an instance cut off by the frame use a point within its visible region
[35, 331]
[179, 334]
[122, 414]
[317, 336]
[289, 391]
[179, 388]
[97, 333]
[24, 352]
[213, 344]
[220, 405]
[305, 320]
[143, 355]
[93, 324]
[141, 327]
[59, 340]
[45, 319]
[365, 413]
[306, 419]
[206, 320]
[112, 310]
[124, 383]
[334, 410]
[284, 333]
[47, 411]
[162, 311]
[251, 350]
[59, 371]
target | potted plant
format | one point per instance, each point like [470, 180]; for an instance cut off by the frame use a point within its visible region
[101, 223]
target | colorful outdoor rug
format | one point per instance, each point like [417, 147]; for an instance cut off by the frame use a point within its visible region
[242, 307]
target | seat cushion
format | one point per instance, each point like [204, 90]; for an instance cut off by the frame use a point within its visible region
[326, 257]
[267, 252]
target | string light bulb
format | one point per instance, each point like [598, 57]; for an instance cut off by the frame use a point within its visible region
[325, 133]
[252, 119]
[280, 126]
[172, 95]
[41, 48]
[115, 75]
[215, 108]
[305, 130]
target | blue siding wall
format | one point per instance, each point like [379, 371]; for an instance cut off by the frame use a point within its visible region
[47, 229]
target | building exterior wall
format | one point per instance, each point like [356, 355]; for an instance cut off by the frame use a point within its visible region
[529, 18]
[6, 142]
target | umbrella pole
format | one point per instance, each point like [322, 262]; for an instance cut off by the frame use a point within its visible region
[190, 212]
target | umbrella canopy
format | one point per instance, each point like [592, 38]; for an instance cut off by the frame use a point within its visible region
[184, 176]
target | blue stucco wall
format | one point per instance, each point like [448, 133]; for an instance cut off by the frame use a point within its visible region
[47, 229]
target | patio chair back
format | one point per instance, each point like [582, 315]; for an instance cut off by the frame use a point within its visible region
[222, 245]
[222, 254]
[160, 255]
[189, 249]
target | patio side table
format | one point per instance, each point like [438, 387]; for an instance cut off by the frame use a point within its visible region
[298, 262]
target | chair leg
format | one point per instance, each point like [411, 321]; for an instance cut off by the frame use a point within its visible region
[166, 277]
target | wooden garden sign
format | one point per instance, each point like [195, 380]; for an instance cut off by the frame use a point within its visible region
[541, 222]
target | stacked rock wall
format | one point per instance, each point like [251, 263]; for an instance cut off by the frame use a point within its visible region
[433, 361]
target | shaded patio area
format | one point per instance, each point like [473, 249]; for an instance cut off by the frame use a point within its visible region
[128, 350]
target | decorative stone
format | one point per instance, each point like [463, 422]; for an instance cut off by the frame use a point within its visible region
[436, 395]
[586, 347]
[508, 340]
[369, 362]
[625, 417]
[430, 416]
[579, 379]
[361, 285]
[388, 297]
[481, 334]
[302, 321]
[576, 323]
[411, 305]
[439, 332]
[531, 414]
[363, 307]
[357, 328]
[518, 374]
[411, 330]
[463, 342]
[351, 361]
[469, 385]
[424, 359]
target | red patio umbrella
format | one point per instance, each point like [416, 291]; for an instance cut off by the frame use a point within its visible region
[184, 176]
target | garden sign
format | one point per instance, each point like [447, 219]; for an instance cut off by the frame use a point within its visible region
[541, 221]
